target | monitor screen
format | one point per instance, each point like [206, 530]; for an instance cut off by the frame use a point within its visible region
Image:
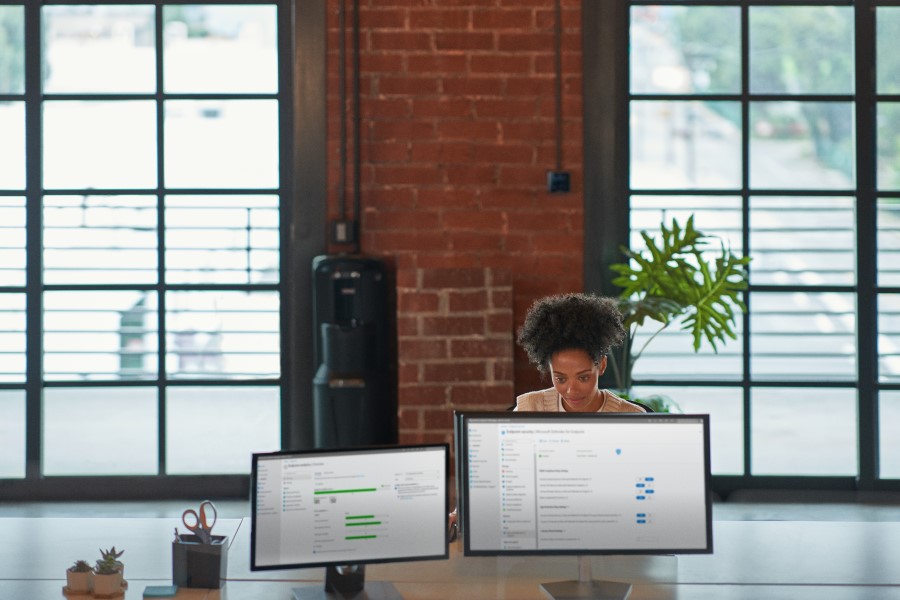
[349, 507]
[585, 483]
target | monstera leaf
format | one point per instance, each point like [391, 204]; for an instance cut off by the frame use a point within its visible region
[677, 279]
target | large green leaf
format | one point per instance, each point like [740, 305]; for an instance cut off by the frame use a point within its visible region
[676, 281]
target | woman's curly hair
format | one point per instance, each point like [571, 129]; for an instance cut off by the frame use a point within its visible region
[571, 321]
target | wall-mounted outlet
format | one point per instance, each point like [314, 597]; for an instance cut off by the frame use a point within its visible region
[557, 181]
[343, 231]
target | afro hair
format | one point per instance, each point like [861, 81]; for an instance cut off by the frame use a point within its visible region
[571, 321]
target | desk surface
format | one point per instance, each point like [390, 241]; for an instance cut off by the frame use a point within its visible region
[752, 559]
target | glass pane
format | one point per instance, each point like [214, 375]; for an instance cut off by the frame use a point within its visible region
[888, 440]
[803, 241]
[803, 336]
[12, 433]
[12, 338]
[887, 133]
[803, 431]
[100, 239]
[98, 49]
[12, 50]
[100, 431]
[678, 49]
[726, 420]
[222, 239]
[802, 145]
[221, 143]
[889, 338]
[685, 144]
[247, 420]
[100, 335]
[888, 240]
[718, 216]
[887, 60]
[220, 49]
[222, 335]
[100, 144]
[12, 241]
[12, 143]
[801, 49]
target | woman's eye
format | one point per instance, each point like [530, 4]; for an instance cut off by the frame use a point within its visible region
[583, 379]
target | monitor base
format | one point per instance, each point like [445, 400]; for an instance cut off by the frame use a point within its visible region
[374, 590]
[595, 590]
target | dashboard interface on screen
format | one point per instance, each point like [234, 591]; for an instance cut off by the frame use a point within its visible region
[344, 507]
[585, 483]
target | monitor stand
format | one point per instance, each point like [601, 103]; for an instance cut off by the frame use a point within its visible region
[586, 586]
[348, 582]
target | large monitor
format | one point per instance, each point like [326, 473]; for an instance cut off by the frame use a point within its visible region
[585, 484]
[343, 509]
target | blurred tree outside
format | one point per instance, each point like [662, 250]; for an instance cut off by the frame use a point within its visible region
[12, 50]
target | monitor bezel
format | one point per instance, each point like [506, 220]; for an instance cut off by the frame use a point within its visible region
[463, 485]
[393, 448]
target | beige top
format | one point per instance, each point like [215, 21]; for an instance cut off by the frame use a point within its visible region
[550, 401]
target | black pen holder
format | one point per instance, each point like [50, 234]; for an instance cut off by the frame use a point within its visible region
[199, 565]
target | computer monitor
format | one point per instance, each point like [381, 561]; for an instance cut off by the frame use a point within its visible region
[537, 483]
[343, 509]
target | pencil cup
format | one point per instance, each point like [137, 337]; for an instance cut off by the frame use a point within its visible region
[199, 565]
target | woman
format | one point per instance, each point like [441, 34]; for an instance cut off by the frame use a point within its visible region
[569, 336]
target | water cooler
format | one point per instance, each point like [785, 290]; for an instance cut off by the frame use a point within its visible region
[354, 398]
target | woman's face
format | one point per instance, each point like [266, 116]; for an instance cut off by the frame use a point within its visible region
[575, 378]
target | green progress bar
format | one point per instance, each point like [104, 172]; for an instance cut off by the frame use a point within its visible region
[361, 517]
[362, 524]
[319, 493]
[359, 537]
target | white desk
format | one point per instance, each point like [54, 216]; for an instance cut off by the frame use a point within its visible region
[753, 560]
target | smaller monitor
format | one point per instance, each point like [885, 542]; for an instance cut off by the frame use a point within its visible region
[343, 509]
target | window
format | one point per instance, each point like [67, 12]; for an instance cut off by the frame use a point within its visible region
[140, 225]
[755, 118]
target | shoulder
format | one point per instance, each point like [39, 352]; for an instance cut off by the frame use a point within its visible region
[615, 404]
[541, 400]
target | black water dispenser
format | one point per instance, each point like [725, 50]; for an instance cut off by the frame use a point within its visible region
[354, 397]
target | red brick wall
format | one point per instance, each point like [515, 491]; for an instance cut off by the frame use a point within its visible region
[457, 133]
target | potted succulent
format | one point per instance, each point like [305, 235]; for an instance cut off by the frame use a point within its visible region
[79, 577]
[676, 281]
[108, 570]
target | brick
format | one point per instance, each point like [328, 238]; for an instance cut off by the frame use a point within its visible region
[502, 64]
[438, 18]
[399, 40]
[463, 40]
[500, 20]
[474, 220]
[442, 108]
[438, 419]
[480, 86]
[417, 302]
[423, 395]
[481, 348]
[480, 394]
[453, 325]
[453, 278]
[407, 326]
[437, 63]
[454, 371]
[467, 241]
[467, 301]
[422, 349]
[530, 41]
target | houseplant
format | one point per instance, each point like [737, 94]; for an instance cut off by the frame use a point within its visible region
[79, 577]
[108, 570]
[676, 280]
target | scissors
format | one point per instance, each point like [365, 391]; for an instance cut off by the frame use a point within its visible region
[198, 523]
